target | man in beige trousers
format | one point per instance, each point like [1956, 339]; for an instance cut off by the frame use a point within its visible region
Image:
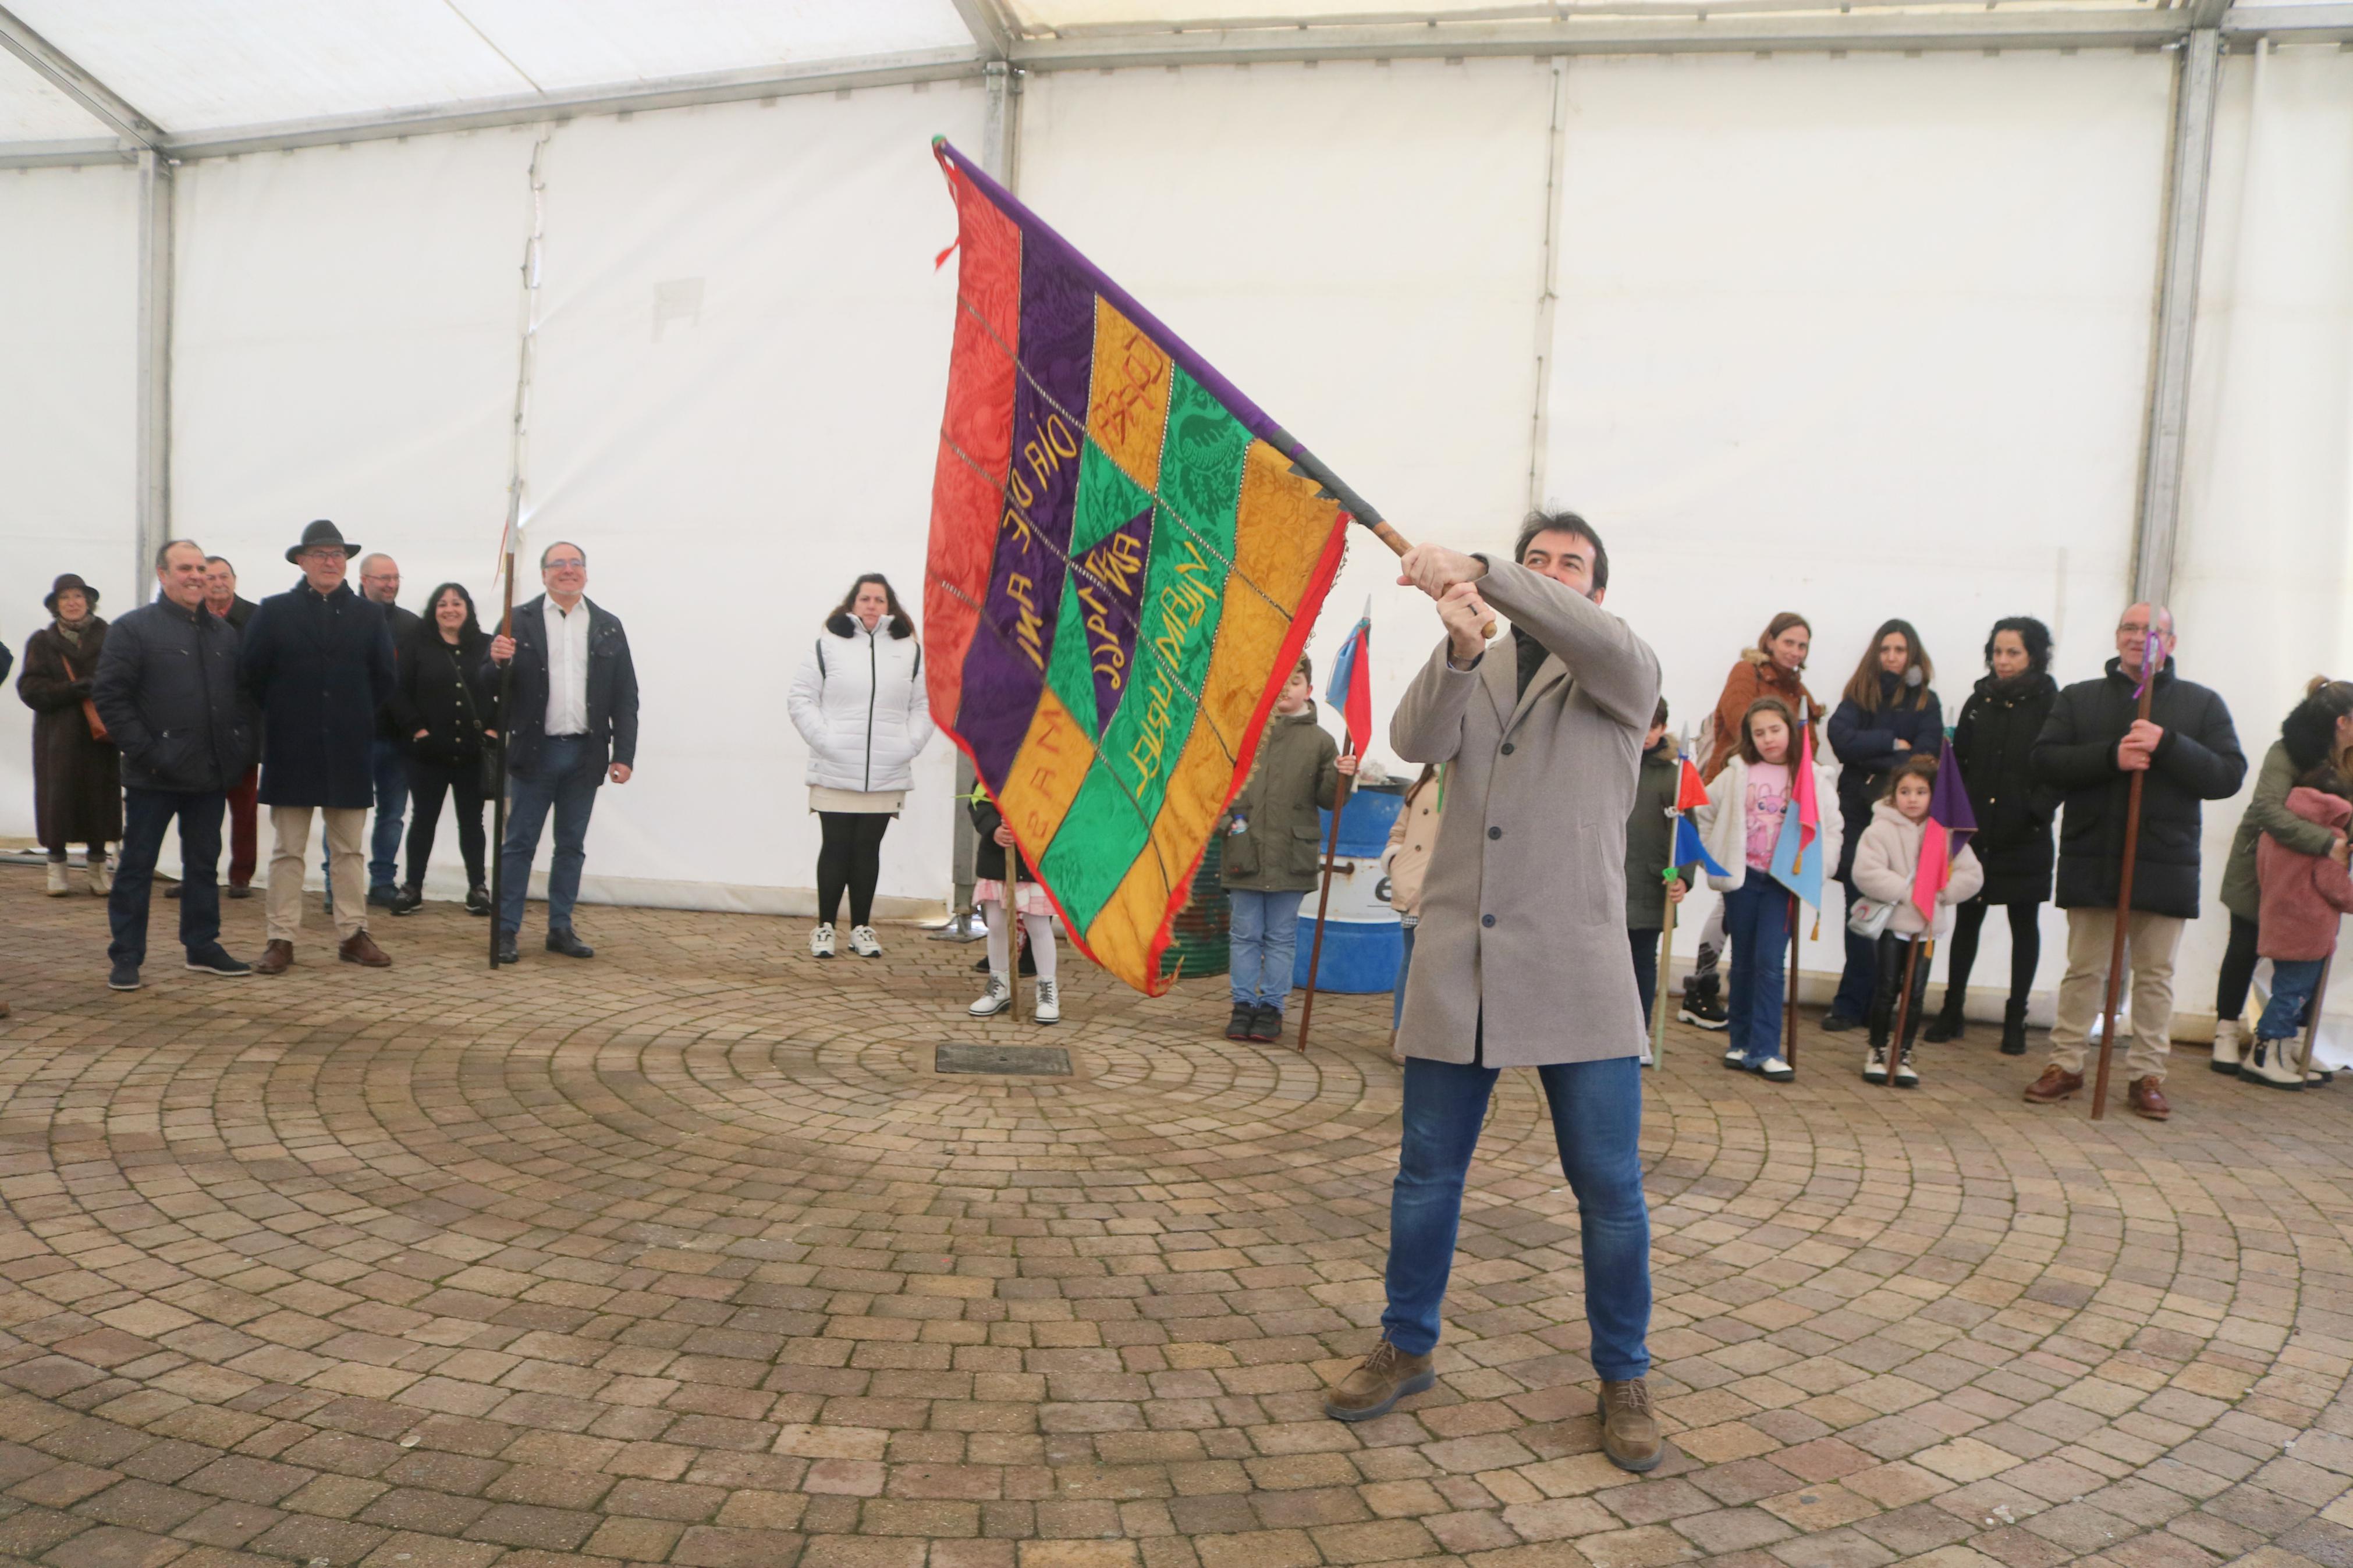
[319, 661]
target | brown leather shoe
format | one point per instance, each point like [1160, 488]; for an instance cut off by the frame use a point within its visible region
[276, 959]
[1629, 1433]
[361, 948]
[2148, 1099]
[2056, 1084]
[1379, 1380]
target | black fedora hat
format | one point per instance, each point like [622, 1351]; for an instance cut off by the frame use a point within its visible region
[69, 580]
[322, 533]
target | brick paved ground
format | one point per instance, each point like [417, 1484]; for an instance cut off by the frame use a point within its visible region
[685, 1255]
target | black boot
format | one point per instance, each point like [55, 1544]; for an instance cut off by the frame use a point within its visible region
[1237, 1027]
[1702, 1004]
[2013, 1029]
[1948, 1024]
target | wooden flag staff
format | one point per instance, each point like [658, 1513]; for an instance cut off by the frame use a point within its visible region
[1789, 992]
[2312, 1023]
[1324, 899]
[526, 357]
[1659, 987]
[1903, 1007]
[498, 806]
[1013, 931]
[2125, 889]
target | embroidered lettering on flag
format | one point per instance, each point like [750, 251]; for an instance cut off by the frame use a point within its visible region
[1125, 567]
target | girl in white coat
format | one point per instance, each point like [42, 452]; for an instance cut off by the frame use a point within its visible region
[858, 702]
[1886, 859]
[1739, 825]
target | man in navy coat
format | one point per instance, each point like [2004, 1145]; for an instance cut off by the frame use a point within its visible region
[318, 659]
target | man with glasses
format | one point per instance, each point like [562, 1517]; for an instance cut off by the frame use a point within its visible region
[387, 764]
[571, 723]
[2094, 742]
[319, 660]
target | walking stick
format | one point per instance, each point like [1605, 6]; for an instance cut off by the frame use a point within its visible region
[1903, 1010]
[1790, 994]
[1315, 947]
[499, 807]
[2123, 894]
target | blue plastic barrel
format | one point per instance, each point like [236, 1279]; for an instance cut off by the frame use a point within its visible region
[1362, 940]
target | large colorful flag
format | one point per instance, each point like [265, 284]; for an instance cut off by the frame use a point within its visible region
[1951, 820]
[1691, 794]
[1126, 558]
[1351, 690]
[1801, 825]
[1804, 794]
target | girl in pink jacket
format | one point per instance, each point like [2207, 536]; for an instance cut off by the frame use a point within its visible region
[1886, 859]
[2303, 896]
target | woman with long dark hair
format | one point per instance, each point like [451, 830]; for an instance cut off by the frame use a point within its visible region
[1888, 714]
[858, 702]
[2014, 814]
[450, 725]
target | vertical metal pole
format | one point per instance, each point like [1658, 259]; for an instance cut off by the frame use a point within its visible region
[1548, 294]
[2197, 76]
[153, 505]
[1000, 149]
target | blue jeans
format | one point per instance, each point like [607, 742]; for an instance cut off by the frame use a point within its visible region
[1646, 966]
[1264, 934]
[1756, 924]
[1858, 980]
[2293, 980]
[558, 781]
[388, 767]
[1596, 1121]
[1405, 968]
[146, 812]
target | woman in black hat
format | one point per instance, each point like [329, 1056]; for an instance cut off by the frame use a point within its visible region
[76, 772]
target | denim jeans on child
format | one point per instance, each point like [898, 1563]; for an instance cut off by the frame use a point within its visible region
[1264, 937]
[1596, 1121]
[2293, 980]
[1756, 924]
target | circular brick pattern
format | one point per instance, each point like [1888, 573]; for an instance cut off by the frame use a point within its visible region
[688, 1255]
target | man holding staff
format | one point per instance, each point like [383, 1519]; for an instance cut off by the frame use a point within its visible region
[2091, 746]
[1521, 958]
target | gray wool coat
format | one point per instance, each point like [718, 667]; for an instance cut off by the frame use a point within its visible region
[1524, 908]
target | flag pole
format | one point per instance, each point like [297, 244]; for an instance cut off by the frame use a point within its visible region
[498, 806]
[1324, 900]
[2124, 893]
[1659, 989]
[526, 358]
[1013, 930]
[1903, 1008]
[2312, 1022]
[1790, 992]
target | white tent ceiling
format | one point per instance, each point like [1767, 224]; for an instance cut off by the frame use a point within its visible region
[215, 75]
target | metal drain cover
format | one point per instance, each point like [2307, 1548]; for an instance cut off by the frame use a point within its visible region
[1020, 1061]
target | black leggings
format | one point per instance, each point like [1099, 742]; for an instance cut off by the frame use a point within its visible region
[1886, 981]
[2025, 947]
[428, 783]
[851, 858]
[2238, 971]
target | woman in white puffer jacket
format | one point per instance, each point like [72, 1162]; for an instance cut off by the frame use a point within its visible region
[858, 702]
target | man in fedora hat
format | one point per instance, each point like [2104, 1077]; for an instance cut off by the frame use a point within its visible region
[319, 660]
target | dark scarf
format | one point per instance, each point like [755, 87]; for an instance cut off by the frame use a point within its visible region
[2024, 684]
[72, 630]
[1532, 655]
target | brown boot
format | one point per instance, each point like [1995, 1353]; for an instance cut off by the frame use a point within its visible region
[1379, 1380]
[276, 959]
[2056, 1084]
[2147, 1100]
[361, 948]
[1629, 1433]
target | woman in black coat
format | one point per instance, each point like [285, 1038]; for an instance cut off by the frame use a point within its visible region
[2014, 813]
[1888, 712]
[76, 773]
[448, 724]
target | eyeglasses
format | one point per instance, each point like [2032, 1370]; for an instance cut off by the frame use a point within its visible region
[563, 565]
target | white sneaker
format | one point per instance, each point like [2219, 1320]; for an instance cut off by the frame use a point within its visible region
[1874, 1067]
[1050, 1004]
[2229, 1036]
[57, 888]
[102, 877]
[996, 999]
[2273, 1064]
[1736, 1059]
[1906, 1076]
[1773, 1069]
[862, 943]
[821, 942]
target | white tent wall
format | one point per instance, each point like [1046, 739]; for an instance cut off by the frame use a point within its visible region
[1862, 338]
[738, 383]
[69, 251]
[2264, 572]
[1357, 246]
